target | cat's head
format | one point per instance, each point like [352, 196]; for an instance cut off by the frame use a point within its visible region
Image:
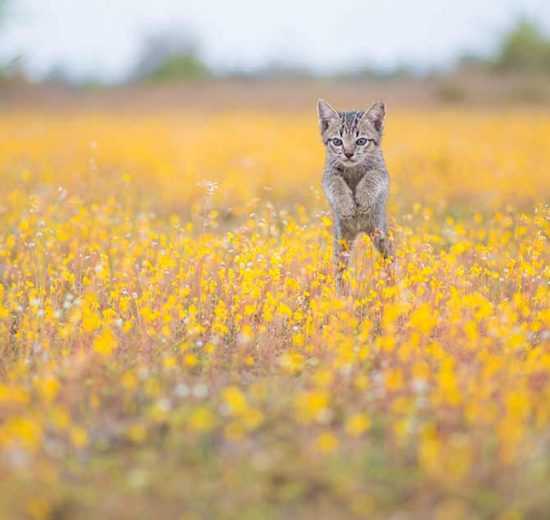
[351, 137]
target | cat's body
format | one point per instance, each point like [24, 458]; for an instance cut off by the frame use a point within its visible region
[355, 180]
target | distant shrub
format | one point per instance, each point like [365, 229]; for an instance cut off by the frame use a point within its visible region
[524, 49]
[184, 66]
[170, 57]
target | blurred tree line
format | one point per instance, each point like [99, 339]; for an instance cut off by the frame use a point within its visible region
[523, 49]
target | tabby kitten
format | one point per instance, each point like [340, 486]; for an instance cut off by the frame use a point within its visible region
[355, 180]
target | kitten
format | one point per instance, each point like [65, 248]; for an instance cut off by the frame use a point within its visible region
[355, 180]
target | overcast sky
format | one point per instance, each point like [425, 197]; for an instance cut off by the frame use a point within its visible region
[102, 37]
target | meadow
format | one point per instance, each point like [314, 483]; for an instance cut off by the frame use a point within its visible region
[172, 344]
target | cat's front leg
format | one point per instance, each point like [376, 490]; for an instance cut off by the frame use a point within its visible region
[340, 197]
[367, 195]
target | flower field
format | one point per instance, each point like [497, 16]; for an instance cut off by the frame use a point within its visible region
[172, 344]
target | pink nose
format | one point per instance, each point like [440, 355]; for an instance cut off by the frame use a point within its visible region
[348, 154]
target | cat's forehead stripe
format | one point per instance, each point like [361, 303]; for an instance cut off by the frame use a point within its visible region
[350, 120]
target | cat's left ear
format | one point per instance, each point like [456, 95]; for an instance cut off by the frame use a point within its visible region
[376, 114]
[326, 115]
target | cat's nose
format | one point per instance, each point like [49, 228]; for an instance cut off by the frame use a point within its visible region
[348, 153]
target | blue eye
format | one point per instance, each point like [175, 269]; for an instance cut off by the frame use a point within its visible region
[361, 141]
[337, 142]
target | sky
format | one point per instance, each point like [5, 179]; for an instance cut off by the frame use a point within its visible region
[103, 38]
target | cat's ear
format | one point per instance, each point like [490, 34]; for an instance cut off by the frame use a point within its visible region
[375, 114]
[326, 114]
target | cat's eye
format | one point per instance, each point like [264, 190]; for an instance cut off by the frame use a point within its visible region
[337, 142]
[361, 141]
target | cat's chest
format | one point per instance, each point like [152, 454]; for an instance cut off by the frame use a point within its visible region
[352, 179]
[352, 183]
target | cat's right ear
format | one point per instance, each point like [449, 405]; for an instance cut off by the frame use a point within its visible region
[326, 114]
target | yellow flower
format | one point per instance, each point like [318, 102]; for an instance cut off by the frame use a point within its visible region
[48, 388]
[357, 424]
[105, 343]
[201, 420]
[312, 406]
[23, 431]
[190, 360]
[423, 319]
[292, 362]
[327, 442]
[235, 399]
[79, 437]
[129, 381]
[137, 433]
[91, 321]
